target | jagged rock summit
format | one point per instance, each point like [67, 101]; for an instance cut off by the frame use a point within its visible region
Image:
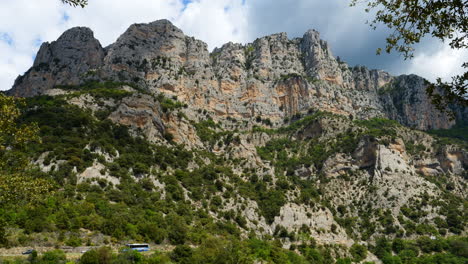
[274, 77]
[63, 62]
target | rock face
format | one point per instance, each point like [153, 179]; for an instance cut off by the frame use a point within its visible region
[74, 57]
[142, 113]
[319, 61]
[406, 101]
[274, 77]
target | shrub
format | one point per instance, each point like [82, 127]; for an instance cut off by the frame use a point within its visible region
[90, 257]
[182, 254]
[343, 261]
[54, 256]
[74, 241]
[359, 252]
[177, 230]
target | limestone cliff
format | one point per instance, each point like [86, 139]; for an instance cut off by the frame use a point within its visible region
[274, 77]
[74, 57]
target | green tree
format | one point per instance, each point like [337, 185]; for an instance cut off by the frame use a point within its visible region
[459, 247]
[407, 256]
[12, 135]
[104, 255]
[54, 256]
[412, 20]
[359, 252]
[382, 247]
[389, 259]
[177, 230]
[343, 261]
[398, 245]
[33, 257]
[182, 254]
[15, 182]
[3, 235]
[90, 257]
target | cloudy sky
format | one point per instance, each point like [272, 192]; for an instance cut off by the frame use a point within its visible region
[25, 24]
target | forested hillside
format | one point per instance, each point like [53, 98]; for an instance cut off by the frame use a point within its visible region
[270, 152]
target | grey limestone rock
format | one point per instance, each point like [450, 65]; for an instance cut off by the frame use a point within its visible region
[73, 58]
[274, 77]
[405, 100]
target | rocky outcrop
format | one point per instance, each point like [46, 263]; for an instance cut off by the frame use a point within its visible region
[140, 112]
[293, 217]
[73, 58]
[370, 80]
[405, 100]
[366, 154]
[319, 61]
[274, 77]
[149, 54]
[453, 159]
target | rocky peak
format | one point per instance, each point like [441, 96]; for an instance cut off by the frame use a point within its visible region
[274, 77]
[139, 37]
[164, 26]
[145, 52]
[311, 40]
[75, 46]
[319, 61]
[144, 41]
[366, 79]
[76, 35]
[66, 61]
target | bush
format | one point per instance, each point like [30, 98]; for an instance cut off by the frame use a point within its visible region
[104, 255]
[398, 245]
[343, 261]
[74, 241]
[54, 256]
[130, 256]
[382, 247]
[389, 259]
[459, 247]
[33, 257]
[182, 254]
[90, 257]
[177, 230]
[359, 252]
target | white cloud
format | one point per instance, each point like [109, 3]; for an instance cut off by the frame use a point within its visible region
[26, 23]
[11, 64]
[110, 18]
[215, 22]
[444, 63]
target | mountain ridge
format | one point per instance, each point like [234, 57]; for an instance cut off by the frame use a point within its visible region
[274, 77]
[275, 146]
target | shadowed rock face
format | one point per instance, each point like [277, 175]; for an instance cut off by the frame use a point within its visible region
[366, 154]
[274, 77]
[75, 56]
[406, 101]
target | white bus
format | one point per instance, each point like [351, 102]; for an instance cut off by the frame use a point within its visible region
[138, 247]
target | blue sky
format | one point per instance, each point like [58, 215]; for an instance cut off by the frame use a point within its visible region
[26, 24]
